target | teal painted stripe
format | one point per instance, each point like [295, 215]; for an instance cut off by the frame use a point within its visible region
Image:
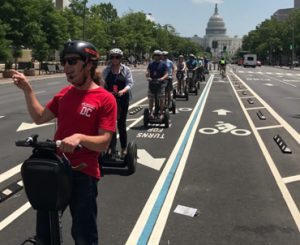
[143, 239]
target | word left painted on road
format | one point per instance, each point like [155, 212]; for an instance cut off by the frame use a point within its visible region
[152, 133]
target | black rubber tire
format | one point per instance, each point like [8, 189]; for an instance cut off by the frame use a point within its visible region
[173, 106]
[146, 117]
[166, 118]
[131, 157]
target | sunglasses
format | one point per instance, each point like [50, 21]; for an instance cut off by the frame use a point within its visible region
[71, 61]
[115, 57]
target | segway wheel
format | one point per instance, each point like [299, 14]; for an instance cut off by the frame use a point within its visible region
[196, 91]
[131, 157]
[186, 93]
[173, 106]
[166, 118]
[146, 117]
[198, 85]
[174, 93]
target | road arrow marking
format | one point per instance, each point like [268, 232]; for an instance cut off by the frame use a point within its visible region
[146, 159]
[222, 112]
[27, 126]
[269, 84]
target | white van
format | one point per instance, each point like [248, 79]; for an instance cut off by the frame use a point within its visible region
[250, 60]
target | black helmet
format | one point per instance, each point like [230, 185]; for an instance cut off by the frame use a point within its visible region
[86, 50]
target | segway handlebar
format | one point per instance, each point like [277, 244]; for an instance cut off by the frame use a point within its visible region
[32, 141]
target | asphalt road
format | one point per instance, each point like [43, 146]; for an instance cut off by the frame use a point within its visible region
[218, 160]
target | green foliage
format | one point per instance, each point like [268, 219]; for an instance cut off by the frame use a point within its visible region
[273, 38]
[38, 25]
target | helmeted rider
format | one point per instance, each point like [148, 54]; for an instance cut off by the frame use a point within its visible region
[171, 72]
[157, 70]
[181, 69]
[222, 64]
[86, 114]
[192, 62]
[118, 80]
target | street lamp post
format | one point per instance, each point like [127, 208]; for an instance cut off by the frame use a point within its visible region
[84, 19]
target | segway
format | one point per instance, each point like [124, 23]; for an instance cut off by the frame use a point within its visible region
[191, 82]
[155, 87]
[47, 180]
[113, 159]
[177, 93]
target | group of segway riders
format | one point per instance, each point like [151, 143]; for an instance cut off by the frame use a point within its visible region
[160, 74]
[88, 111]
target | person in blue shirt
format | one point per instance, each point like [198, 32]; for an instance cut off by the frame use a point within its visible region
[192, 63]
[171, 73]
[157, 70]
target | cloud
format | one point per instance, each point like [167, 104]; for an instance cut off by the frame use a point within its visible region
[207, 1]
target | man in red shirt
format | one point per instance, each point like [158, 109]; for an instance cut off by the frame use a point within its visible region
[86, 115]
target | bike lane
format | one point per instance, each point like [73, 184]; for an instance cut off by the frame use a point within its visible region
[226, 178]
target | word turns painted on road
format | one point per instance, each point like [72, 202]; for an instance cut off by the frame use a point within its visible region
[152, 133]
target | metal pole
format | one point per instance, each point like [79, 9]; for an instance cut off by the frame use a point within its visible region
[84, 20]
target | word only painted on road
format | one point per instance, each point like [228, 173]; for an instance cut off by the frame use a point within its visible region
[152, 133]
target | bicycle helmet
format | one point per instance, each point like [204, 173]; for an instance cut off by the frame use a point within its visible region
[116, 51]
[86, 50]
[157, 52]
[165, 53]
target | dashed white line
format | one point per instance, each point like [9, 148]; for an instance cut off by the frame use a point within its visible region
[10, 173]
[254, 108]
[269, 127]
[291, 179]
[278, 178]
[9, 219]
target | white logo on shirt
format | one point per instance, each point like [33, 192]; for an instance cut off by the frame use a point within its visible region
[86, 109]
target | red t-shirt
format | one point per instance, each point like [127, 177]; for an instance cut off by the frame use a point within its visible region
[84, 112]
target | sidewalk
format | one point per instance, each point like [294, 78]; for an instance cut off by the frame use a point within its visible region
[54, 75]
[32, 78]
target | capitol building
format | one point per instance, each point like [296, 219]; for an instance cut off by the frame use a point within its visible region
[216, 39]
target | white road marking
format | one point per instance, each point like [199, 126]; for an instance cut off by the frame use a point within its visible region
[281, 81]
[146, 159]
[9, 219]
[254, 108]
[40, 92]
[279, 180]
[281, 121]
[291, 179]
[269, 127]
[13, 171]
[2, 117]
[247, 97]
[27, 126]
[165, 209]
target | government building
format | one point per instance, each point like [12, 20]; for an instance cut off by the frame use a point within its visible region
[216, 39]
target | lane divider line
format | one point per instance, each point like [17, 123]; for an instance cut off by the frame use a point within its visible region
[269, 127]
[255, 108]
[281, 121]
[153, 207]
[13, 216]
[291, 179]
[279, 181]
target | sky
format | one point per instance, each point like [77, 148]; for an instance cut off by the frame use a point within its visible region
[190, 17]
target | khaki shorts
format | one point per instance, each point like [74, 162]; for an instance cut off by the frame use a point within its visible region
[156, 88]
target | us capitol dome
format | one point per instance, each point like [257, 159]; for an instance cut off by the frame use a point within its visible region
[216, 39]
